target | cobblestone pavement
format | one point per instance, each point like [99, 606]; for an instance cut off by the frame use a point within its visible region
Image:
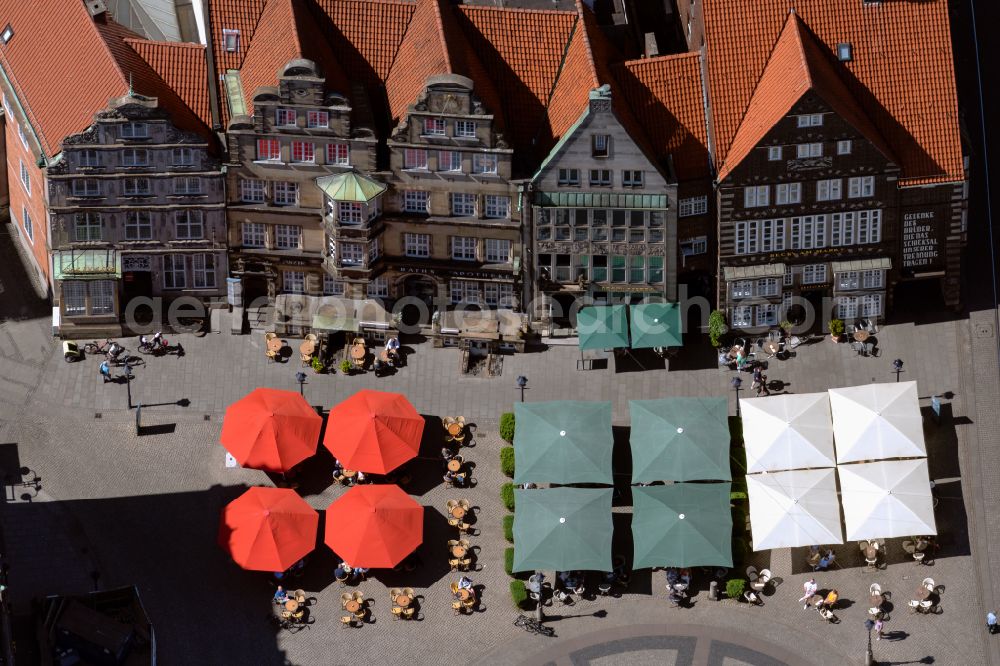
[145, 510]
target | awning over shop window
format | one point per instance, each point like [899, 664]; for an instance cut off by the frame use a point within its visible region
[882, 263]
[86, 265]
[751, 272]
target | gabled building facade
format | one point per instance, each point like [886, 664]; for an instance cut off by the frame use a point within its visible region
[832, 194]
[604, 219]
[136, 209]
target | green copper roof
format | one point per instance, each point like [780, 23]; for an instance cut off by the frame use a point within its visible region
[350, 186]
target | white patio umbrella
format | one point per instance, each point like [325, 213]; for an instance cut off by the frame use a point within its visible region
[788, 432]
[794, 508]
[877, 422]
[887, 498]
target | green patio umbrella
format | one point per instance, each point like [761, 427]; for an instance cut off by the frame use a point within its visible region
[681, 525]
[602, 327]
[680, 439]
[563, 441]
[655, 325]
[562, 529]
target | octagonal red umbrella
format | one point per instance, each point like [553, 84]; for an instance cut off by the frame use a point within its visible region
[374, 526]
[271, 430]
[268, 529]
[374, 431]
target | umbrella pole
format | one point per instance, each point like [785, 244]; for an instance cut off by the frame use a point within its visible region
[539, 615]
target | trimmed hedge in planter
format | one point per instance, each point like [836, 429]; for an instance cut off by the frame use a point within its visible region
[735, 587]
[518, 593]
[508, 561]
[507, 461]
[507, 426]
[508, 528]
[507, 495]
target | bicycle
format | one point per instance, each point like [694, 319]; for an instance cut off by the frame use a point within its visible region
[127, 360]
[534, 627]
[95, 347]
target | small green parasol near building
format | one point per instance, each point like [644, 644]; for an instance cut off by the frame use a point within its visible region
[680, 439]
[655, 325]
[602, 327]
[682, 525]
[563, 441]
[562, 529]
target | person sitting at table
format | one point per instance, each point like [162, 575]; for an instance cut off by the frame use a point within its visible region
[392, 350]
[360, 572]
[342, 572]
[280, 596]
[825, 562]
[830, 600]
[724, 358]
[465, 583]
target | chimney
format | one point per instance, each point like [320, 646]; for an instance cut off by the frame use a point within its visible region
[96, 7]
[651, 47]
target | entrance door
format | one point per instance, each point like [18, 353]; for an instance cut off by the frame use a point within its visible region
[254, 289]
[136, 284]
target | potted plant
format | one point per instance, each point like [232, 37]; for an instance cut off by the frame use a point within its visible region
[717, 327]
[345, 367]
[786, 328]
[836, 327]
[317, 365]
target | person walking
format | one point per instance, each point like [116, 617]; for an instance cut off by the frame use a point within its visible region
[878, 629]
[991, 622]
[105, 370]
[760, 382]
[809, 587]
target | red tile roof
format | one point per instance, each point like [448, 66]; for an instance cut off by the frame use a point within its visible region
[240, 15]
[901, 73]
[522, 51]
[65, 67]
[183, 68]
[287, 31]
[665, 94]
[365, 34]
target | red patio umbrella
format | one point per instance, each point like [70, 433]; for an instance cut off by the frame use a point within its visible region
[374, 431]
[374, 526]
[268, 529]
[271, 430]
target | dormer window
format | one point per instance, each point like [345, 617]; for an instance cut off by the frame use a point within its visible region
[804, 150]
[231, 40]
[810, 120]
[600, 145]
[133, 130]
[284, 117]
[774, 153]
[434, 126]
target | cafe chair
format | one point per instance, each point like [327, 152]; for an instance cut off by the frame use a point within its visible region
[299, 596]
[914, 606]
[795, 341]
[397, 612]
[453, 563]
[409, 612]
[454, 588]
[457, 607]
[345, 597]
[393, 593]
[347, 620]
[408, 591]
[465, 564]
[928, 583]
[451, 504]
[752, 598]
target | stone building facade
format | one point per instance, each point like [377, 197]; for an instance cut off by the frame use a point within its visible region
[603, 219]
[299, 133]
[451, 233]
[136, 209]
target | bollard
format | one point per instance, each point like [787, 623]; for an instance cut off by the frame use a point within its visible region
[713, 590]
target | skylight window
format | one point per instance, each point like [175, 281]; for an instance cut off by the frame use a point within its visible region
[7, 34]
[844, 52]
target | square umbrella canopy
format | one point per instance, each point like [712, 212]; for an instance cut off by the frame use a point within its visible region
[682, 525]
[563, 441]
[562, 529]
[790, 431]
[888, 498]
[796, 508]
[877, 421]
[655, 325]
[680, 439]
[602, 327]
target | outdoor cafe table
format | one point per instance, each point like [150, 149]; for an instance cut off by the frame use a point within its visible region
[465, 594]
[357, 352]
[458, 551]
[861, 336]
[352, 606]
[454, 429]
[458, 512]
[871, 552]
[923, 594]
[307, 348]
[291, 605]
[274, 345]
[875, 601]
[384, 355]
[403, 600]
[771, 347]
[454, 465]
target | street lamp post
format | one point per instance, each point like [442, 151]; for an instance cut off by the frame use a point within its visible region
[869, 658]
[737, 383]
[300, 377]
[522, 383]
[128, 383]
[897, 367]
